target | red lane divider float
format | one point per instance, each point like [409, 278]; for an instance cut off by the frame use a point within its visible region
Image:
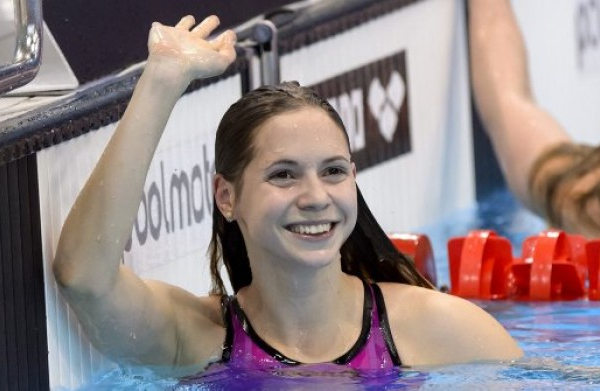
[593, 257]
[480, 265]
[418, 247]
[553, 266]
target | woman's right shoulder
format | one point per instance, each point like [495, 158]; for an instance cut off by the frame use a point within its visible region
[199, 321]
[197, 308]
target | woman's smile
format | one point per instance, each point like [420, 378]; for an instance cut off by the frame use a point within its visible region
[311, 229]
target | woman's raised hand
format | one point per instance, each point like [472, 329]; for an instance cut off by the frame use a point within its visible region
[187, 51]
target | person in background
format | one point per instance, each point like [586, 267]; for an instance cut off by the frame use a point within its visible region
[547, 171]
[316, 280]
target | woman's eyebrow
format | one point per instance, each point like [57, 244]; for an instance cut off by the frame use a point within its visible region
[283, 162]
[337, 158]
[294, 163]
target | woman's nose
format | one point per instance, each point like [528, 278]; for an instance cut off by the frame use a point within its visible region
[314, 194]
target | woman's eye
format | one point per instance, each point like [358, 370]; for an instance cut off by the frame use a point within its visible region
[282, 176]
[335, 171]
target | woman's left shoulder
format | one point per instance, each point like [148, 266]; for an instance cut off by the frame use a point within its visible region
[422, 305]
[431, 301]
[401, 294]
[449, 328]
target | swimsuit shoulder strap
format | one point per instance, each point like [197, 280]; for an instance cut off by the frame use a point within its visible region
[226, 311]
[384, 324]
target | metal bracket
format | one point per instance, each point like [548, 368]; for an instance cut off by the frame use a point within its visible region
[27, 57]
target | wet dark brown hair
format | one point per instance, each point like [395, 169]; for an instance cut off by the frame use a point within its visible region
[367, 253]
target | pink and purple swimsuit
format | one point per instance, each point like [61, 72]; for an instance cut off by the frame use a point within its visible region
[373, 351]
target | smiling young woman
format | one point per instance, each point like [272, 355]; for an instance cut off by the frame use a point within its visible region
[315, 278]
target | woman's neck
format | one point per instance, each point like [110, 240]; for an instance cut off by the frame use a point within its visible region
[308, 316]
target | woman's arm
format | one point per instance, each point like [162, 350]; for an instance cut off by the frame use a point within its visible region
[519, 129]
[123, 315]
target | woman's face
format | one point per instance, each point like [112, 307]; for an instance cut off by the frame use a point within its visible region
[297, 202]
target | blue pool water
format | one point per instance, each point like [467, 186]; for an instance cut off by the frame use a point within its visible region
[561, 340]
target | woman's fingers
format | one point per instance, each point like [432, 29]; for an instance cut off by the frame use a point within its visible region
[225, 45]
[226, 38]
[204, 28]
[202, 57]
[186, 22]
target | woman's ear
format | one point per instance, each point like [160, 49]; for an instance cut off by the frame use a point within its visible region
[354, 170]
[224, 196]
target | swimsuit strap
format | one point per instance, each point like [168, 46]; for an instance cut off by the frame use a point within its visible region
[228, 343]
[384, 325]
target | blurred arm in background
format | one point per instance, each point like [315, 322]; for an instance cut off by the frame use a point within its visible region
[544, 168]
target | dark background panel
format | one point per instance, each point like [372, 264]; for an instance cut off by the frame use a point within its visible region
[488, 174]
[100, 37]
[23, 336]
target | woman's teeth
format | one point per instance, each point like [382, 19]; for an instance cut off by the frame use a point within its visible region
[315, 229]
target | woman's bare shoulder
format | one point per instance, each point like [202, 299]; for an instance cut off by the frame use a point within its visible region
[432, 327]
[199, 322]
[206, 307]
[402, 295]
